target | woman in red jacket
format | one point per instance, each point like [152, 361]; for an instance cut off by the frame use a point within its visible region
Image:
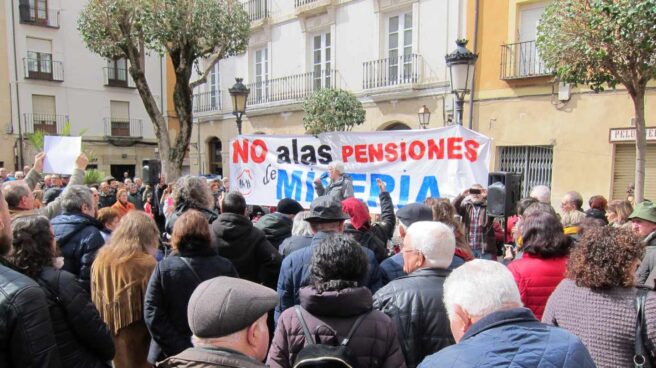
[543, 264]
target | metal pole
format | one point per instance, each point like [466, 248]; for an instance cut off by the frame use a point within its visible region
[460, 101]
[21, 158]
[200, 169]
[239, 123]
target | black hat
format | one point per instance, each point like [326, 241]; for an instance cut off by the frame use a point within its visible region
[224, 305]
[289, 206]
[414, 212]
[326, 209]
[51, 194]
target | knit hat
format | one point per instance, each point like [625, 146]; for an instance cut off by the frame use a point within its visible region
[358, 212]
[289, 206]
[224, 305]
[414, 212]
[326, 209]
[645, 210]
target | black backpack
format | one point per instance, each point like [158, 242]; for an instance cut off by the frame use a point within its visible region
[317, 355]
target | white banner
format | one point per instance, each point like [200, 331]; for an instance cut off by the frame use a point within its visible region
[414, 164]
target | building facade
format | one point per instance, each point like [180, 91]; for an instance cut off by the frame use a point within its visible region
[564, 137]
[59, 87]
[7, 159]
[390, 54]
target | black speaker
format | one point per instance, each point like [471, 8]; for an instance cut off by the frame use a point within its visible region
[151, 171]
[503, 192]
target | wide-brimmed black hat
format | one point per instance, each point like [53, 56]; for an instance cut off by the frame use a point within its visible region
[326, 209]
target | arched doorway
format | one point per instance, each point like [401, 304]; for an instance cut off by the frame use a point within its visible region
[215, 160]
[395, 125]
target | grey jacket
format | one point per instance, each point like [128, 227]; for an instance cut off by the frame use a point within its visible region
[647, 271]
[53, 208]
[214, 357]
[340, 189]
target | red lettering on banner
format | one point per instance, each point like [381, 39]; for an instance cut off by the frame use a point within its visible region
[390, 152]
[259, 158]
[361, 153]
[403, 153]
[435, 152]
[244, 152]
[471, 150]
[347, 151]
[376, 152]
[240, 150]
[454, 147]
[413, 150]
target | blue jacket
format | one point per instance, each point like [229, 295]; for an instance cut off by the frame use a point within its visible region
[513, 338]
[78, 238]
[295, 273]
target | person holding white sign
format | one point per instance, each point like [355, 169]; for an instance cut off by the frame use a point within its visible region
[341, 185]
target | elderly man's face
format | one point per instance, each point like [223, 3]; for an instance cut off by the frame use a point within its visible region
[113, 184]
[3, 172]
[642, 227]
[5, 231]
[138, 182]
[412, 258]
[567, 205]
[104, 187]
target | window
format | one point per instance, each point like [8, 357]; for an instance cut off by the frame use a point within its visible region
[39, 58]
[624, 170]
[399, 48]
[529, 60]
[216, 163]
[533, 162]
[44, 115]
[261, 74]
[213, 83]
[117, 72]
[321, 61]
[119, 118]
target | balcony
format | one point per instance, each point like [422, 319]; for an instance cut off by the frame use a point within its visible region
[403, 70]
[256, 9]
[312, 7]
[207, 101]
[290, 88]
[48, 124]
[123, 128]
[522, 60]
[41, 67]
[38, 16]
[117, 77]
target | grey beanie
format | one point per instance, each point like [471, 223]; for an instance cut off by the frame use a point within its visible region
[224, 305]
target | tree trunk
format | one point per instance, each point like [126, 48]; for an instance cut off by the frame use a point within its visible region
[182, 101]
[641, 142]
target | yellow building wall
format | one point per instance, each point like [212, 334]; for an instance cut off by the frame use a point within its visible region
[6, 140]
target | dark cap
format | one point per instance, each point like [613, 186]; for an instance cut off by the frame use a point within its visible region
[224, 305]
[413, 212]
[326, 209]
[645, 210]
[51, 194]
[289, 206]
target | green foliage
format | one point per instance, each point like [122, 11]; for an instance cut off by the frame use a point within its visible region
[37, 138]
[93, 176]
[330, 110]
[600, 42]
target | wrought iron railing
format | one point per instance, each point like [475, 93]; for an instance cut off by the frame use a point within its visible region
[207, 101]
[30, 14]
[405, 69]
[522, 60]
[43, 68]
[121, 127]
[256, 9]
[49, 124]
[117, 77]
[298, 3]
[293, 87]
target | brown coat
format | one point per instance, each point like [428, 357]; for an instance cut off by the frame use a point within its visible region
[208, 358]
[118, 291]
[330, 315]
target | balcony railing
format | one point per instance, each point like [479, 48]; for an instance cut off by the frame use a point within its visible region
[522, 60]
[49, 124]
[207, 101]
[117, 77]
[45, 17]
[43, 68]
[120, 127]
[256, 9]
[404, 69]
[298, 3]
[293, 87]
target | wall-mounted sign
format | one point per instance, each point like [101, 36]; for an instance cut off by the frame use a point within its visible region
[629, 135]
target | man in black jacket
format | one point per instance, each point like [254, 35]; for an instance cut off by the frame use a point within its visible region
[414, 302]
[236, 239]
[26, 335]
[277, 226]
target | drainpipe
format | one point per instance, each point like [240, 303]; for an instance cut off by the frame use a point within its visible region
[475, 43]
[21, 162]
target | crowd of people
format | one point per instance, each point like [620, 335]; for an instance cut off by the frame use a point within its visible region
[188, 274]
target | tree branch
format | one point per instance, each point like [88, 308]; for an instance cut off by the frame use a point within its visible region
[211, 61]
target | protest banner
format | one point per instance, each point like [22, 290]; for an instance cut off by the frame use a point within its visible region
[414, 164]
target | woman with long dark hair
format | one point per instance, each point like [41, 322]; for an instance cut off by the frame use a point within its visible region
[82, 337]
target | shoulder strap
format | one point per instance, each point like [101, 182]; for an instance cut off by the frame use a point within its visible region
[186, 262]
[641, 355]
[353, 328]
[306, 331]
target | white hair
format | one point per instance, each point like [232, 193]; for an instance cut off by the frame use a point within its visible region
[300, 226]
[542, 193]
[434, 240]
[480, 287]
[337, 166]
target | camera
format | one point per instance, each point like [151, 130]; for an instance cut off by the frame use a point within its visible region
[474, 191]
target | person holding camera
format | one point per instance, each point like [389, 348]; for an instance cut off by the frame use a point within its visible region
[479, 227]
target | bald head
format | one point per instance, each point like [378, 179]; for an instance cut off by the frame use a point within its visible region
[542, 193]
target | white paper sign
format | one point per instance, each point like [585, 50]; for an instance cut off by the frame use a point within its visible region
[61, 153]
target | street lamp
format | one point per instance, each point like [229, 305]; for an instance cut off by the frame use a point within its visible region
[424, 116]
[239, 94]
[461, 63]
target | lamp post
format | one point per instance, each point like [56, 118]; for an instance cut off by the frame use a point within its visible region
[461, 63]
[424, 116]
[239, 94]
